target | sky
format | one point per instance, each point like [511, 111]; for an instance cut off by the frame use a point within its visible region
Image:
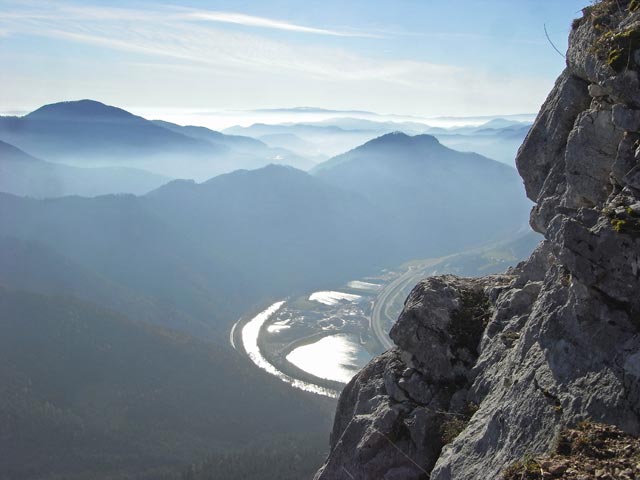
[407, 57]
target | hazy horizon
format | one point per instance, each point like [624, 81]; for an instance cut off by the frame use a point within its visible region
[222, 119]
[416, 58]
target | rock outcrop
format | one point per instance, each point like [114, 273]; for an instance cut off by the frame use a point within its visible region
[489, 371]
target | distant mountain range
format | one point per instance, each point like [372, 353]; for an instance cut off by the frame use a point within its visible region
[88, 133]
[22, 174]
[54, 150]
[326, 140]
[304, 114]
[497, 138]
[480, 119]
[315, 110]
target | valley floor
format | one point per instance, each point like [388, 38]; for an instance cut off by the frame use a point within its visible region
[317, 342]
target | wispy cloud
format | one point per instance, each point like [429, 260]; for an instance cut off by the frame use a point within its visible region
[43, 10]
[251, 21]
[186, 35]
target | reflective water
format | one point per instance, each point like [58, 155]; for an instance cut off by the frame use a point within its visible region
[359, 285]
[333, 298]
[277, 327]
[335, 357]
[250, 334]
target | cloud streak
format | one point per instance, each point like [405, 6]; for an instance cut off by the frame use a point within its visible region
[251, 21]
[44, 10]
[187, 36]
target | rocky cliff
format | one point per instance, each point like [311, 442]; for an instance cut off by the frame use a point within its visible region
[489, 371]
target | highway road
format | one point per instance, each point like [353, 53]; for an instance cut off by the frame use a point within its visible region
[380, 317]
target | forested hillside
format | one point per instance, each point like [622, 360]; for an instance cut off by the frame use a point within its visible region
[86, 392]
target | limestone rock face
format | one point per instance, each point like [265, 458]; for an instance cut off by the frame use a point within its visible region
[489, 370]
[392, 418]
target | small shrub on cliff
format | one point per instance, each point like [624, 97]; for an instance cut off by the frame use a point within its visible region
[526, 469]
[470, 320]
[452, 427]
[614, 47]
[626, 224]
[454, 424]
[623, 44]
[600, 13]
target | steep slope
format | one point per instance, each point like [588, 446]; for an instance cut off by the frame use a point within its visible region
[220, 139]
[22, 174]
[288, 458]
[87, 393]
[211, 250]
[277, 223]
[119, 239]
[488, 372]
[439, 198]
[31, 266]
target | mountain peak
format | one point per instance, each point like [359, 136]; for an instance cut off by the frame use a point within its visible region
[79, 109]
[397, 148]
[402, 139]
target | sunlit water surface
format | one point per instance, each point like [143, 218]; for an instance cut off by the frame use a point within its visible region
[335, 357]
[333, 298]
[250, 333]
[359, 285]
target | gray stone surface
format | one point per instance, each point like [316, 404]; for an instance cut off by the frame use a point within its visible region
[554, 341]
[589, 156]
[392, 417]
[544, 146]
[625, 118]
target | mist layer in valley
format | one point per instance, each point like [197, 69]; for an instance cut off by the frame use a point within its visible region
[114, 151]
